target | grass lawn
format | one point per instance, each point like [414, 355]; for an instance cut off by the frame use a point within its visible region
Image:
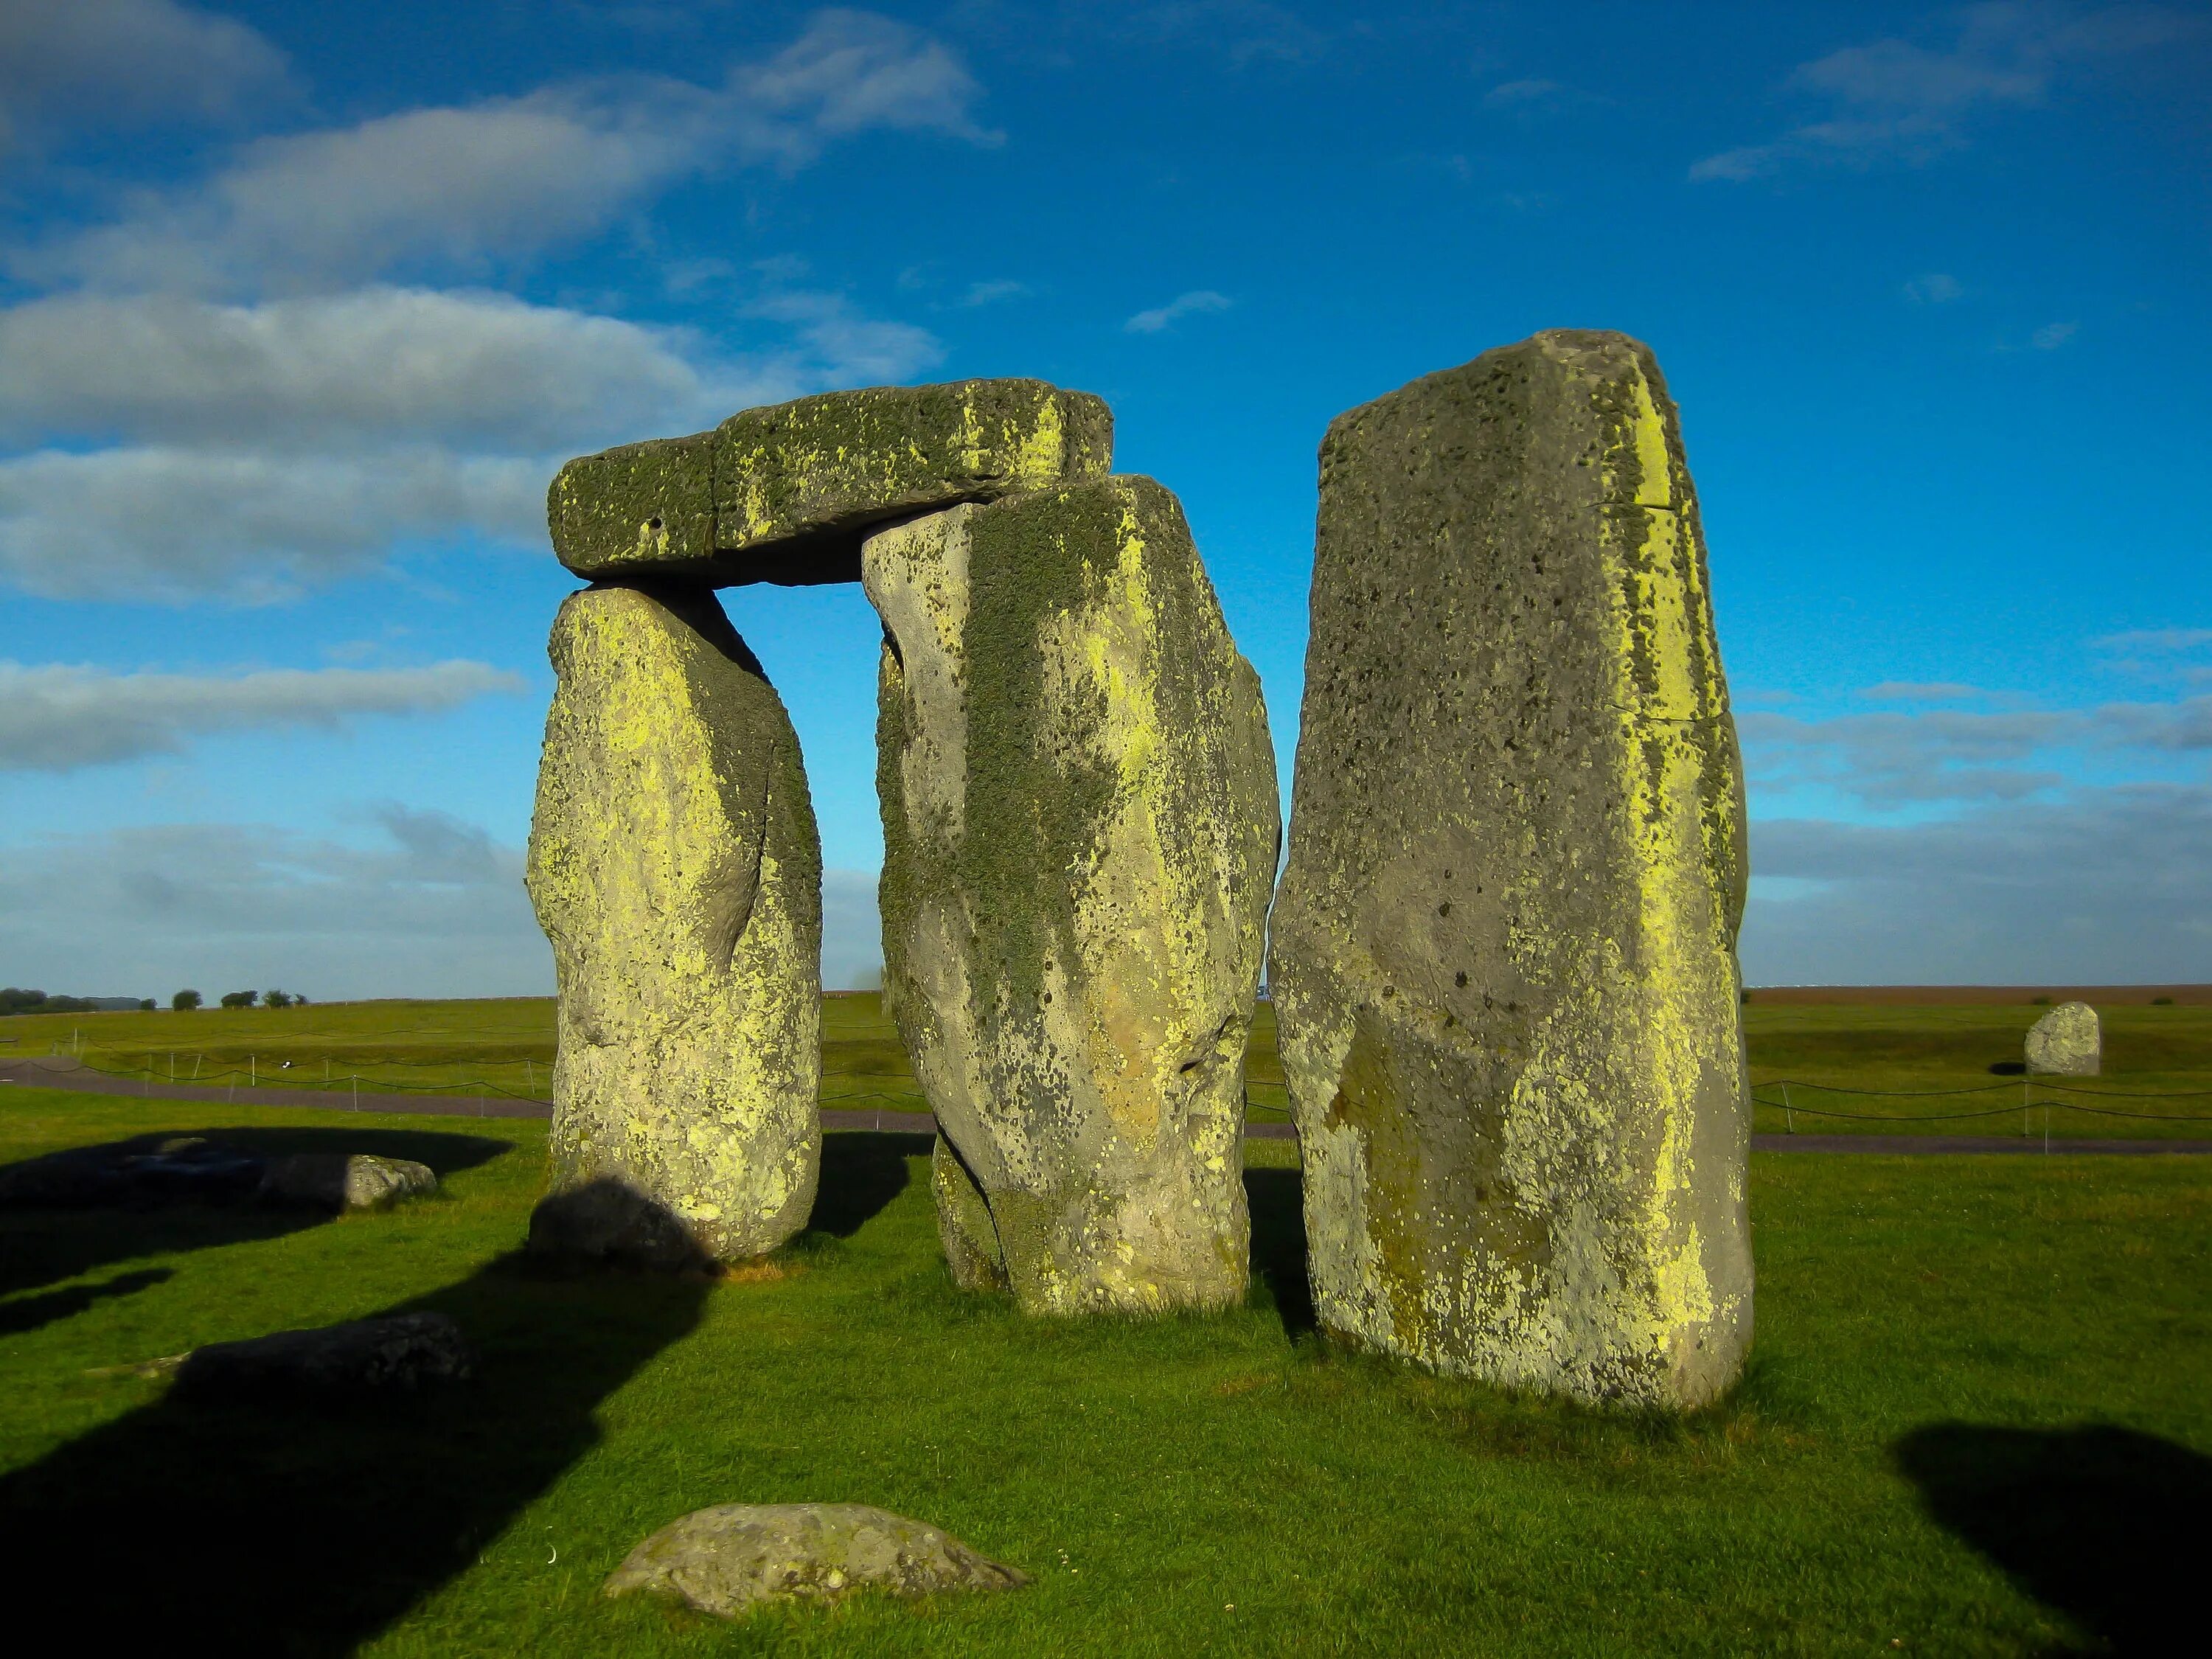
[1890, 1067]
[1977, 1423]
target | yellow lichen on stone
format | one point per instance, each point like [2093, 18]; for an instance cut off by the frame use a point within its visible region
[674, 867]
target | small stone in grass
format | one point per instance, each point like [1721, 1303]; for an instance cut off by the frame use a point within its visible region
[731, 1557]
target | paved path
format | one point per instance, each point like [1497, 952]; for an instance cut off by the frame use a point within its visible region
[64, 1071]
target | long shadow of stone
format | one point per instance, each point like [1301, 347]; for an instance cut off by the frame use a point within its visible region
[55, 1226]
[2105, 1524]
[1279, 1244]
[307, 1526]
[862, 1171]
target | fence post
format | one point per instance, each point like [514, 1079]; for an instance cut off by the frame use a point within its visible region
[1789, 1116]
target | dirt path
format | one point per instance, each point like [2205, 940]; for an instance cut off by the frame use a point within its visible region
[62, 1072]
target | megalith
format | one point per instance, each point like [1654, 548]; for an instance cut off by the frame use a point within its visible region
[1502, 954]
[674, 865]
[2066, 1042]
[1080, 824]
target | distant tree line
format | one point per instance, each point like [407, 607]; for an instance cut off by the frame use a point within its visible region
[15, 1000]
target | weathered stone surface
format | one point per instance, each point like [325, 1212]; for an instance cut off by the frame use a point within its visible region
[734, 1556]
[1504, 953]
[1081, 826]
[343, 1180]
[2066, 1042]
[784, 494]
[675, 866]
[402, 1351]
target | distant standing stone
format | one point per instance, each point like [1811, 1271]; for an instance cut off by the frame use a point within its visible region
[345, 1180]
[402, 1351]
[727, 1558]
[1080, 823]
[675, 867]
[1504, 954]
[2066, 1042]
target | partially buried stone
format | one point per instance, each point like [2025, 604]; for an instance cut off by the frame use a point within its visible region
[1080, 825]
[735, 1555]
[675, 867]
[345, 1180]
[402, 1351]
[1503, 954]
[784, 494]
[2066, 1042]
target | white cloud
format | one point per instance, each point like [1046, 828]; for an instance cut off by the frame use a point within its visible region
[1197, 302]
[990, 293]
[58, 718]
[1922, 691]
[435, 908]
[2051, 336]
[377, 364]
[169, 523]
[83, 62]
[460, 188]
[1933, 288]
[1896, 100]
[2096, 886]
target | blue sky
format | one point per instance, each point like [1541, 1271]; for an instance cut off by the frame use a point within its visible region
[300, 306]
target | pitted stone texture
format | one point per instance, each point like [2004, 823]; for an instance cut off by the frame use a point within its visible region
[398, 1350]
[1503, 954]
[675, 867]
[1080, 823]
[2066, 1042]
[735, 1555]
[785, 493]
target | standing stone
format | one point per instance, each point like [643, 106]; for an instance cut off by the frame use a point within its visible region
[1080, 824]
[675, 866]
[2066, 1042]
[1504, 954]
[785, 494]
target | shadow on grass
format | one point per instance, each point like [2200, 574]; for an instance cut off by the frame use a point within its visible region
[2107, 1525]
[1278, 1245]
[306, 1526]
[862, 1171]
[43, 1244]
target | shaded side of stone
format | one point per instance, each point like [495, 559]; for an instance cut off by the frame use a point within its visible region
[675, 866]
[2066, 1042]
[784, 494]
[732, 1556]
[1504, 952]
[1081, 826]
[340, 1182]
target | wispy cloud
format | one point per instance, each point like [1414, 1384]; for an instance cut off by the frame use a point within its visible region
[1934, 288]
[991, 293]
[1197, 302]
[2093, 885]
[2051, 336]
[58, 718]
[1901, 101]
[115, 63]
[459, 188]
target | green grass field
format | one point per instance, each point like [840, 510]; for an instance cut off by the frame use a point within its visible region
[1975, 1423]
[1826, 1068]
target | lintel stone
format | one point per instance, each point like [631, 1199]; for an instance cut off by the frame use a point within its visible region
[785, 494]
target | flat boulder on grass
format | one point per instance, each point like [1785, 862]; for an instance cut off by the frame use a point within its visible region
[341, 1181]
[182, 1169]
[735, 1555]
[400, 1351]
[2066, 1042]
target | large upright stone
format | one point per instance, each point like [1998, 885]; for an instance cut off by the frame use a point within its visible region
[2066, 1042]
[675, 866]
[785, 493]
[1080, 824]
[1503, 954]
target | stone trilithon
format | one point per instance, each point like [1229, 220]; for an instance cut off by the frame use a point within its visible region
[1079, 802]
[1503, 951]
